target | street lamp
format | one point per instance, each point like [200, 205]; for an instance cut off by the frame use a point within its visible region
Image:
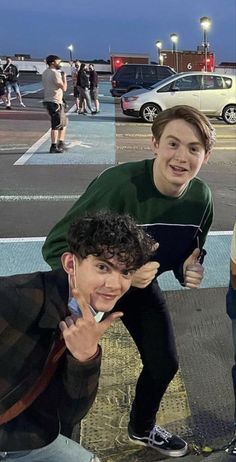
[159, 47]
[71, 48]
[206, 24]
[174, 38]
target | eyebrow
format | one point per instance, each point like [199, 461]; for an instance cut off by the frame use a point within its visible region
[112, 265]
[177, 139]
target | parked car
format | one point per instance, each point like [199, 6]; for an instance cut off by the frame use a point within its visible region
[132, 76]
[213, 94]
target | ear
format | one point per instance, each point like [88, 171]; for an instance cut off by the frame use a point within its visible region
[154, 145]
[68, 262]
[207, 156]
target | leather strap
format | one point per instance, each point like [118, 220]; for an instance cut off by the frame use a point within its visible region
[39, 386]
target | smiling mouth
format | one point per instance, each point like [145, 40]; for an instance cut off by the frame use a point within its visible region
[177, 169]
[108, 296]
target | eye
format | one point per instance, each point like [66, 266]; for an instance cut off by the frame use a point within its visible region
[195, 149]
[128, 273]
[102, 267]
[172, 144]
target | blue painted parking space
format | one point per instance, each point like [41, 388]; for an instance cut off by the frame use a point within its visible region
[24, 255]
[91, 138]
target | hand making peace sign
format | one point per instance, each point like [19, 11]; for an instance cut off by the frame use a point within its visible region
[82, 334]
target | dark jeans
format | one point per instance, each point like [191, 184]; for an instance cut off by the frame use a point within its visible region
[147, 319]
[231, 311]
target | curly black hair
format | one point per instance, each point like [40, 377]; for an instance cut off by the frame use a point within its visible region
[109, 235]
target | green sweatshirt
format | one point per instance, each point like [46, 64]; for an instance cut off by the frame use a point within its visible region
[178, 224]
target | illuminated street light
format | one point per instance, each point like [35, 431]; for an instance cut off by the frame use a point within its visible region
[71, 48]
[174, 39]
[159, 47]
[205, 24]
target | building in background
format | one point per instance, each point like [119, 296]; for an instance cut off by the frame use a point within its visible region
[118, 59]
[188, 60]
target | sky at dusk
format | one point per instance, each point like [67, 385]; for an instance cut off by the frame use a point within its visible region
[94, 27]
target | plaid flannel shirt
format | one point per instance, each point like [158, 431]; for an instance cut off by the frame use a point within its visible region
[31, 307]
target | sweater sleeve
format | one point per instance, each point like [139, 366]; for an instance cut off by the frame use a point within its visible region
[102, 193]
[78, 389]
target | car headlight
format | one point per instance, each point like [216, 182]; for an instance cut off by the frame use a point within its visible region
[130, 98]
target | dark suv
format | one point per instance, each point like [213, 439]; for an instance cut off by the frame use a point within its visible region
[132, 76]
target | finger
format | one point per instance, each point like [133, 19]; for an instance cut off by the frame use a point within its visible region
[106, 323]
[84, 307]
[196, 254]
[62, 326]
[69, 321]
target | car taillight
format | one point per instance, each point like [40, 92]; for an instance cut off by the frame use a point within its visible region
[113, 83]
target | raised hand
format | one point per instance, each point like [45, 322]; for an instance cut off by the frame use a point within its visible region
[82, 334]
[193, 270]
[144, 275]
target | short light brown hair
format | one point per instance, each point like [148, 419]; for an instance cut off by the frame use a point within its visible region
[192, 116]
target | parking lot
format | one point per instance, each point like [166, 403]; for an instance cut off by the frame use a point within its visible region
[37, 188]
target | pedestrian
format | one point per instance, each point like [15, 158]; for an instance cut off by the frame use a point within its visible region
[55, 84]
[12, 74]
[74, 73]
[49, 351]
[3, 87]
[93, 80]
[166, 198]
[83, 87]
[231, 311]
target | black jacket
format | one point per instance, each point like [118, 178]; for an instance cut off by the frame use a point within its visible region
[83, 79]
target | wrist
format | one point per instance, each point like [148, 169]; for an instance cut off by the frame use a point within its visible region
[85, 357]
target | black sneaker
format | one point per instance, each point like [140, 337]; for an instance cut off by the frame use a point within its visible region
[161, 440]
[56, 150]
[231, 447]
[63, 145]
[8, 107]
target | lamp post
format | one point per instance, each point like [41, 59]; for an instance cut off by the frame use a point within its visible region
[206, 24]
[174, 39]
[71, 48]
[159, 47]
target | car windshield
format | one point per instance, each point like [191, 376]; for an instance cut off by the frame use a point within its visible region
[163, 81]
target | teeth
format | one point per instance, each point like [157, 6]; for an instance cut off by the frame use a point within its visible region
[179, 168]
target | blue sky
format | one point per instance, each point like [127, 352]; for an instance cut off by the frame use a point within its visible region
[94, 27]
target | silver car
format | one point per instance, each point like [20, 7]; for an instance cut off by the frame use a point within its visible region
[211, 93]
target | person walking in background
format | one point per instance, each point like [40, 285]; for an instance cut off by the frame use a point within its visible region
[55, 84]
[165, 196]
[83, 86]
[51, 326]
[74, 74]
[93, 81]
[231, 311]
[11, 72]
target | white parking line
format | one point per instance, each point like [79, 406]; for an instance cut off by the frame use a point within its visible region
[42, 238]
[53, 197]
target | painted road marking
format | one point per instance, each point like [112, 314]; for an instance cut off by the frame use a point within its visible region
[54, 197]
[23, 255]
[91, 141]
[37, 145]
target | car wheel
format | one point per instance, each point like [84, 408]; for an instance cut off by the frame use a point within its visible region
[229, 114]
[149, 112]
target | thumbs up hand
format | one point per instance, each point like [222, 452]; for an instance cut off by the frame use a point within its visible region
[193, 270]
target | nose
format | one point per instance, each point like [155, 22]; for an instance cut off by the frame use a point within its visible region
[113, 280]
[181, 154]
